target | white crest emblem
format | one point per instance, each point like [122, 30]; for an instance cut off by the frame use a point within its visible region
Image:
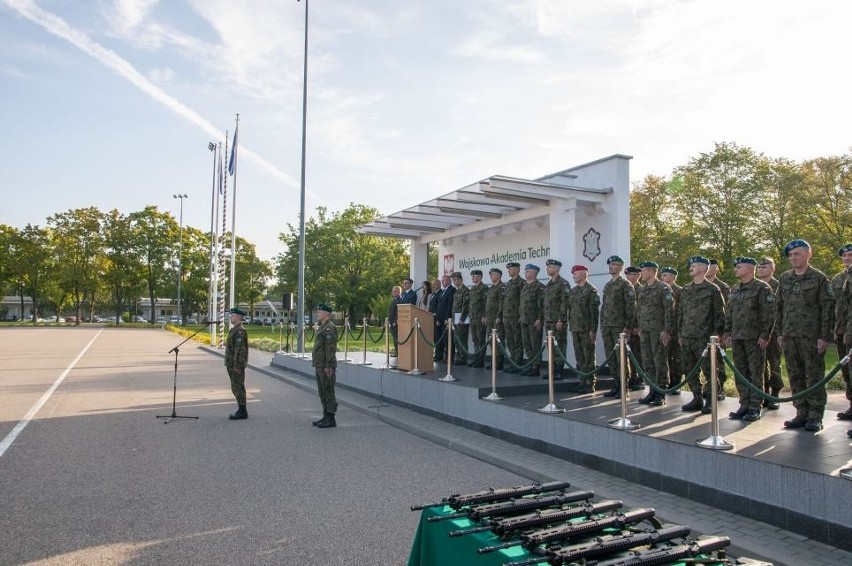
[591, 244]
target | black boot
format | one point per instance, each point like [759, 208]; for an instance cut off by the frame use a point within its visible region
[796, 422]
[769, 403]
[739, 413]
[648, 398]
[708, 405]
[659, 400]
[845, 415]
[318, 421]
[239, 414]
[327, 421]
[694, 405]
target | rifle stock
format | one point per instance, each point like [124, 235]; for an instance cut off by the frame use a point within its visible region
[492, 495]
[689, 549]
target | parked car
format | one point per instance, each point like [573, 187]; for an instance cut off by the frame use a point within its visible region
[138, 318]
[161, 320]
[191, 321]
[71, 318]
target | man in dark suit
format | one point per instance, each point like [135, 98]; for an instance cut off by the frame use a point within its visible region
[409, 295]
[392, 317]
[444, 311]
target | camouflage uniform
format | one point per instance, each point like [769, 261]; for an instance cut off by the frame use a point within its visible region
[555, 310]
[583, 312]
[532, 310]
[654, 316]
[478, 293]
[673, 355]
[804, 313]
[721, 372]
[750, 317]
[493, 313]
[325, 356]
[618, 309]
[236, 359]
[511, 318]
[845, 308]
[841, 312]
[461, 311]
[700, 314]
[773, 382]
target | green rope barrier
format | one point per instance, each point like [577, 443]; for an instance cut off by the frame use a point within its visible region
[596, 368]
[661, 390]
[377, 340]
[507, 357]
[352, 336]
[465, 351]
[407, 338]
[804, 393]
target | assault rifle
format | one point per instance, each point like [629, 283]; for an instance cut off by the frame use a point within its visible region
[603, 546]
[492, 495]
[689, 549]
[571, 531]
[514, 506]
[507, 525]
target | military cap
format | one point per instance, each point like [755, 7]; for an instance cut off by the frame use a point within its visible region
[579, 267]
[495, 270]
[476, 272]
[632, 269]
[714, 261]
[668, 269]
[553, 262]
[697, 259]
[615, 259]
[844, 249]
[238, 311]
[653, 264]
[323, 307]
[456, 275]
[766, 260]
[513, 264]
[742, 259]
[795, 244]
[532, 266]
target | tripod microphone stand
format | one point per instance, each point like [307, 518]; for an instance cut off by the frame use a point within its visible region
[176, 350]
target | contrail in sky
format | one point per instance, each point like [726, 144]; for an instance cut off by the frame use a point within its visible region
[60, 28]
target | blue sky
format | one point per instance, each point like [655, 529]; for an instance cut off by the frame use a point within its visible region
[111, 103]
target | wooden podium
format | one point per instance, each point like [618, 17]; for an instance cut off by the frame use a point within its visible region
[405, 322]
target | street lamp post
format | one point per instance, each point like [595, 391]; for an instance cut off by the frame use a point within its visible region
[180, 257]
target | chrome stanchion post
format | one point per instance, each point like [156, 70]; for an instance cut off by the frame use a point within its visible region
[304, 355]
[364, 332]
[292, 327]
[346, 357]
[493, 395]
[623, 423]
[387, 345]
[714, 441]
[551, 407]
[280, 338]
[449, 376]
[416, 370]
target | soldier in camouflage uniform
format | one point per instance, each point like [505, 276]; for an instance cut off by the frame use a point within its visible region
[325, 365]
[493, 306]
[478, 292]
[748, 325]
[844, 313]
[236, 360]
[556, 312]
[583, 312]
[618, 309]
[804, 315]
[634, 382]
[773, 383]
[676, 372]
[700, 315]
[655, 305]
[712, 273]
[532, 318]
[461, 313]
[843, 346]
[511, 317]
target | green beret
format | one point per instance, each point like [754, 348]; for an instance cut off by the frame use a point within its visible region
[697, 259]
[766, 260]
[632, 269]
[240, 312]
[668, 269]
[513, 264]
[614, 259]
[553, 262]
[476, 272]
[323, 307]
[495, 270]
[456, 275]
[741, 259]
[653, 264]
[844, 249]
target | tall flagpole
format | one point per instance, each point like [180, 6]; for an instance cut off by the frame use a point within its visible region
[232, 170]
[223, 178]
[300, 305]
[211, 287]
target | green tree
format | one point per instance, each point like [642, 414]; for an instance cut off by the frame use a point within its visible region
[826, 207]
[781, 218]
[155, 241]
[344, 268]
[196, 271]
[33, 264]
[122, 269]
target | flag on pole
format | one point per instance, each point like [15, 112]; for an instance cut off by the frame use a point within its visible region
[232, 165]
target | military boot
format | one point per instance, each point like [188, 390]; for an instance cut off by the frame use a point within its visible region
[796, 422]
[327, 421]
[695, 405]
[708, 404]
[752, 415]
[769, 403]
[319, 420]
[239, 414]
[648, 398]
[739, 413]
[847, 414]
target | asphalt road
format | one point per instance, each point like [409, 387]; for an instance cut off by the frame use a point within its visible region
[94, 478]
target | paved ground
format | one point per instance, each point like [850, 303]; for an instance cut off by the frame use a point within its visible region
[95, 478]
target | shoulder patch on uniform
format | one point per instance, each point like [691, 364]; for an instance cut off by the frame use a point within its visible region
[631, 293]
[770, 298]
[667, 296]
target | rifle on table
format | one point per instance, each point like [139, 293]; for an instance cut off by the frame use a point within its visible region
[514, 506]
[492, 495]
[689, 549]
[507, 525]
[604, 545]
[573, 530]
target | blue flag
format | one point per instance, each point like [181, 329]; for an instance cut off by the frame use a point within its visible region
[232, 165]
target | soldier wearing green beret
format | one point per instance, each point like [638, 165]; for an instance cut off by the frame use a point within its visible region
[842, 311]
[493, 307]
[511, 316]
[236, 360]
[773, 382]
[324, 360]
[583, 310]
[556, 312]
[669, 276]
[532, 317]
[478, 293]
[461, 318]
[618, 310]
[654, 314]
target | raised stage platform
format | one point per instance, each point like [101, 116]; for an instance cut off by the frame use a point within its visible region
[787, 478]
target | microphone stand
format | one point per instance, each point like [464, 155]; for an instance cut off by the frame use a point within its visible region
[176, 350]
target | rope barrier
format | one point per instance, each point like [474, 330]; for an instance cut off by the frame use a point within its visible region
[661, 390]
[507, 356]
[351, 335]
[407, 338]
[377, 340]
[463, 347]
[427, 340]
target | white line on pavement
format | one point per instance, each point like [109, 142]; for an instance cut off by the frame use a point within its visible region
[22, 424]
